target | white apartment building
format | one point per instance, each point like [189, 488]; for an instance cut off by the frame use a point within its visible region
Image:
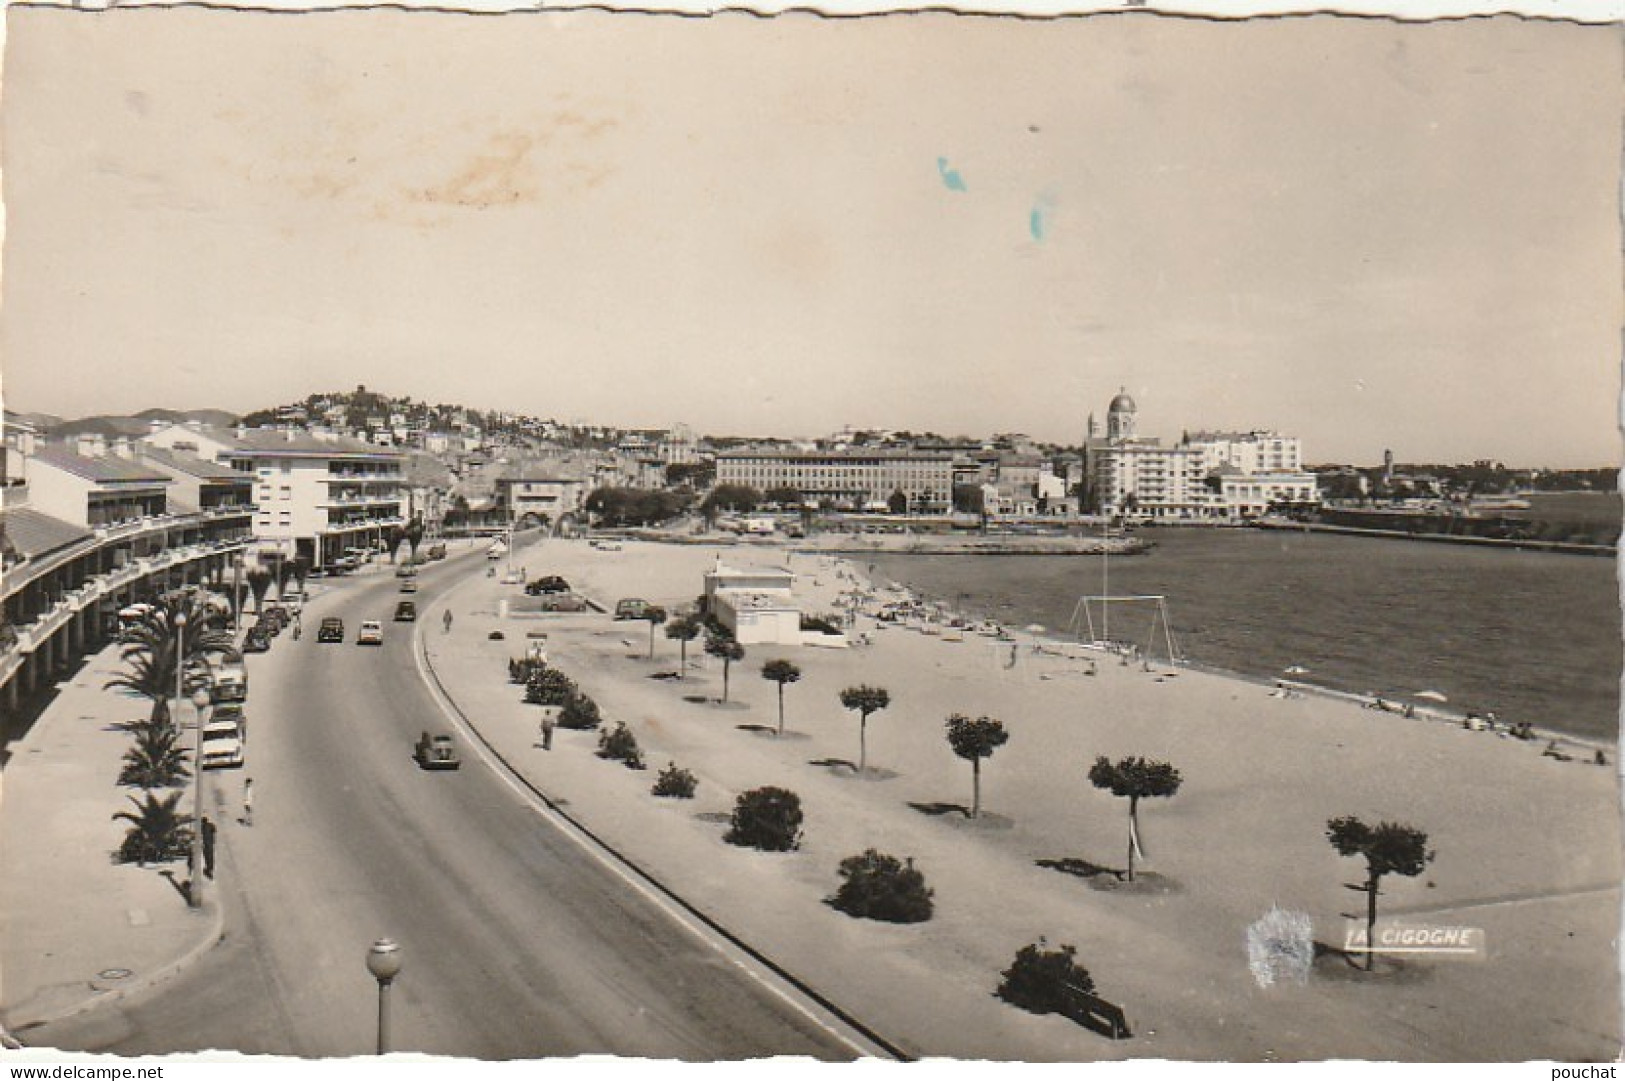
[1225, 476]
[316, 493]
[846, 479]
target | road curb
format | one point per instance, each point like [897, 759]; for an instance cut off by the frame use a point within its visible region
[630, 867]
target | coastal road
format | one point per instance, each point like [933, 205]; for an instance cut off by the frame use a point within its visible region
[517, 943]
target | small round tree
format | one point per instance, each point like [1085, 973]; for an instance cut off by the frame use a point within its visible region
[781, 671]
[974, 741]
[620, 745]
[766, 818]
[1388, 848]
[866, 700]
[728, 648]
[875, 886]
[655, 615]
[1136, 779]
[684, 629]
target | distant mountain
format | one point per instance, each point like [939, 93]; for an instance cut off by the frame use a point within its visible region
[40, 421]
[215, 418]
[139, 424]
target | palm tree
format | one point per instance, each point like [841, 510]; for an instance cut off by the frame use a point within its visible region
[866, 700]
[728, 648]
[149, 649]
[156, 760]
[975, 740]
[158, 831]
[656, 615]
[684, 629]
[1388, 848]
[781, 672]
[1135, 778]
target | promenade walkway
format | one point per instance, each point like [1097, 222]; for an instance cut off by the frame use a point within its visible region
[76, 928]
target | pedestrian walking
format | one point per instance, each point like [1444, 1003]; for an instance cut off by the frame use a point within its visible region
[445, 622]
[548, 721]
[248, 802]
[208, 847]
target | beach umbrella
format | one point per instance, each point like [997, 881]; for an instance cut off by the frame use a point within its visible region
[1432, 696]
[1296, 670]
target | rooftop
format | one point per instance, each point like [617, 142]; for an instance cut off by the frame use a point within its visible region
[34, 534]
[110, 469]
[192, 465]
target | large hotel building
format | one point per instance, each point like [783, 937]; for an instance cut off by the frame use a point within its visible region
[848, 479]
[1222, 476]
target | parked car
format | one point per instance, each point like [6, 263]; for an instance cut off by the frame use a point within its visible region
[331, 630]
[229, 680]
[223, 740]
[436, 752]
[406, 570]
[631, 608]
[551, 583]
[564, 602]
[256, 641]
[409, 585]
[370, 634]
[436, 551]
[406, 612]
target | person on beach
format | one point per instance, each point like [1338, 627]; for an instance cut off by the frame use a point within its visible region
[248, 802]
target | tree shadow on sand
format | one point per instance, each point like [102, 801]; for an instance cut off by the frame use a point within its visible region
[1335, 963]
[714, 703]
[1112, 879]
[841, 767]
[958, 816]
[770, 732]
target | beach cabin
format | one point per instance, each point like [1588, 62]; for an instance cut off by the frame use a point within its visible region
[756, 604]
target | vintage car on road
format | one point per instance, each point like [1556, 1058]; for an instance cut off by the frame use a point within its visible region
[331, 630]
[436, 752]
[406, 612]
[552, 583]
[631, 608]
[409, 585]
[371, 633]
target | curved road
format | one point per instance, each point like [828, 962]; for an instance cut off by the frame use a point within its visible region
[517, 943]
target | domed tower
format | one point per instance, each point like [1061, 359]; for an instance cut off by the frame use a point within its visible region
[1120, 417]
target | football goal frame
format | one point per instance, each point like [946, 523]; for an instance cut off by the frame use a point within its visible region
[1083, 626]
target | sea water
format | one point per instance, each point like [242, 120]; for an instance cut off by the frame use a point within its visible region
[1528, 635]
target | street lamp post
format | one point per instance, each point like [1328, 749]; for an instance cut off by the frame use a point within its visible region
[194, 895]
[384, 962]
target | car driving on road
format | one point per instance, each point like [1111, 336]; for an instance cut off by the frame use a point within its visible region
[436, 752]
[331, 630]
[406, 612]
[371, 633]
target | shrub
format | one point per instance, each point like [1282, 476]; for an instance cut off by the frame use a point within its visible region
[548, 687]
[876, 887]
[678, 783]
[579, 712]
[1040, 980]
[620, 744]
[766, 818]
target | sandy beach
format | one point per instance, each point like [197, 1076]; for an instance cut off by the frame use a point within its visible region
[1528, 847]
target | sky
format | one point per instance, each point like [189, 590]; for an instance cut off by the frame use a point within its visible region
[1369, 234]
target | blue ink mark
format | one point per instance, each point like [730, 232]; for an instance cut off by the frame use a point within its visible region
[1038, 219]
[950, 175]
